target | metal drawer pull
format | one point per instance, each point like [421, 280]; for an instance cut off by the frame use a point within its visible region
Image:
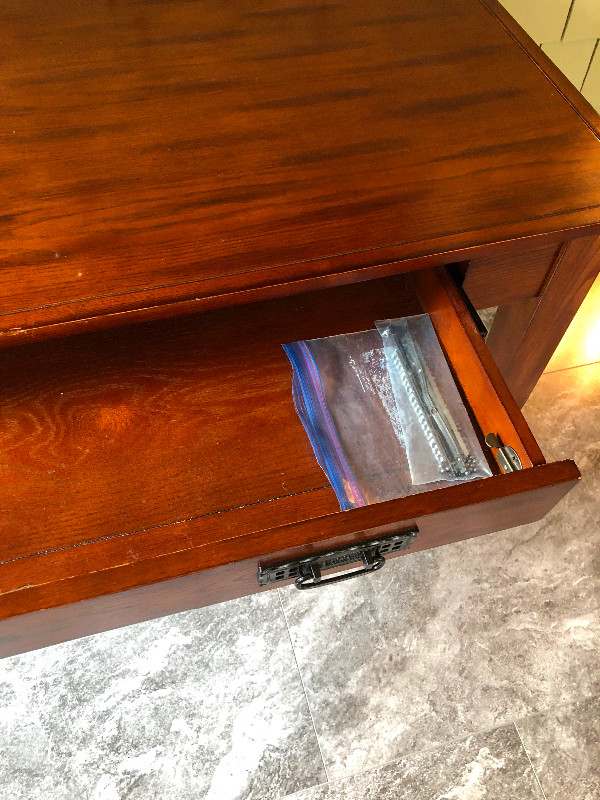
[310, 575]
[307, 572]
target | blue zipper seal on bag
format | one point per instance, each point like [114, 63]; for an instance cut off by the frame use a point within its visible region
[311, 407]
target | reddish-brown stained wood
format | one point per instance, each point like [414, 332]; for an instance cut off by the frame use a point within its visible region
[119, 563]
[480, 379]
[153, 153]
[576, 100]
[165, 302]
[162, 158]
[124, 430]
[494, 279]
[525, 334]
[444, 516]
[175, 448]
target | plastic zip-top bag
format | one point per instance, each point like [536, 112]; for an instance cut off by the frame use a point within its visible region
[344, 398]
[441, 443]
[361, 421]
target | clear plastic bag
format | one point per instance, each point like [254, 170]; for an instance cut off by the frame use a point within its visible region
[441, 443]
[344, 397]
[350, 398]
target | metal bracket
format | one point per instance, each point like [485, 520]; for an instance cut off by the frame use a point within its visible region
[307, 572]
[506, 457]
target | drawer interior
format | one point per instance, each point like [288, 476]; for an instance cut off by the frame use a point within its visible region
[145, 453]
[143, 426]
[104, 434]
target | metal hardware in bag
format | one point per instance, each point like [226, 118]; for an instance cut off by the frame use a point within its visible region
[506, 456]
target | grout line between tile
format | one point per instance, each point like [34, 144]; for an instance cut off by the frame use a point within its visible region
[557, 707]
[454, 740]
[569, 12]
[509, 723]
[431, 749]
[589, 65]
[588, 509]
[312, 719]
[463, 736]
[535, 775]
[565, 369]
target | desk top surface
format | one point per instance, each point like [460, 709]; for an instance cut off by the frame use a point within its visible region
[154, 151]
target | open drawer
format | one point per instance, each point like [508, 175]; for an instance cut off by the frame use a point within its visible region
[154, 468]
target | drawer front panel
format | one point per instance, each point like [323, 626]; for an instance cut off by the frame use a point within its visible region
[82, 612]
[138, 543]
[493, 280]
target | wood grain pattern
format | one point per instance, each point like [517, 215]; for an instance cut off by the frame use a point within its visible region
[108, 433]
[165, 302]
[582, 107]
[160, 158]
[478, 375]
[152, 153]
[129, 460]
[121, 563]
[494, 279]
[453, 516]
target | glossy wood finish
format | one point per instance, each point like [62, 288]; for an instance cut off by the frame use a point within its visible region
[582, 107]
[157, 157]
[526, 333]
[477, 374]
[120, 431]
[139, 459]
[161, 158]
[498, 278]
[453, 516]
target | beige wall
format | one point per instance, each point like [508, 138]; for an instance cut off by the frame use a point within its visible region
[569, 32]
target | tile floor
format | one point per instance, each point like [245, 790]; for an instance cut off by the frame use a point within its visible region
[466, 673]
[463, 673]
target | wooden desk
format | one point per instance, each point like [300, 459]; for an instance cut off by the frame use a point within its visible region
[163, 158]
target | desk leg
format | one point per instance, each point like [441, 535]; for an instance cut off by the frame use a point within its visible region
[525, 334]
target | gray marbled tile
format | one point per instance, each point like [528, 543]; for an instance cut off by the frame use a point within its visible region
[446, 642]
[204, 705]
[564, 747]
[488, 766]
[487, 316]
[564, 414]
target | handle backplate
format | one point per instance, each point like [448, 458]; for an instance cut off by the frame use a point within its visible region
[307, 572]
